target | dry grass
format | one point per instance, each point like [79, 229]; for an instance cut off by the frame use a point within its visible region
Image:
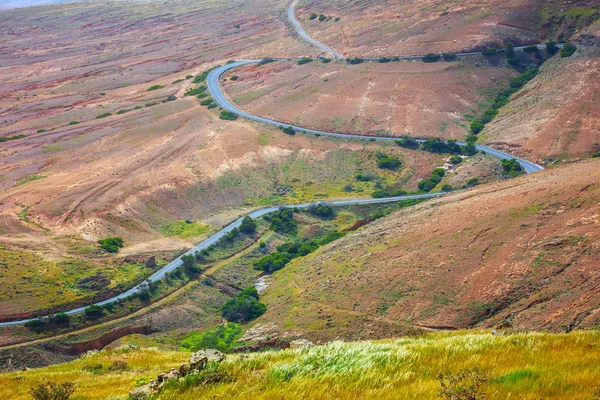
[524, 365]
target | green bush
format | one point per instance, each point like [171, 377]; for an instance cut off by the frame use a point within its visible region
[42, 130]
[228, 115]
[473, 182]
[325, 60]
[321, 210]
[111, 244]
[512, 167]
[313, 16]
[322, 17]
[449, 56]
[568, 50]
[265, 60]
[456, 160]
[103, 115]
[439, 172]
[52, 391]
[155, 87]
[170, 98]
[304, 60]
[234, 78]
[438, 146]
[384, 60]
[206, 102]
[354, 60]
[283, 221]
[59, 318]
[222, 338]
[366, 177]
[429, 58]
[427, 185]
[488, 51]
[531, 49]
[289, 130]
[248, 225]
[387, 162]
[510, 50]
[94, 311]
[244, 307]
[196, 91]
[408, 143]
[446, 188]
[37, 325]
[7, 138]
[596, 155]
[551, 47]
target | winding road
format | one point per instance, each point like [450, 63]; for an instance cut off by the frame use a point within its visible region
[224, 103]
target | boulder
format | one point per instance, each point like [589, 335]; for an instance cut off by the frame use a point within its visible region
[185, 369]
[202, 357]
[301, 344]
[141, 392]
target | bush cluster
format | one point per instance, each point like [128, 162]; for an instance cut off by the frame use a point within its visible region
[408, 143]
[248, 225]
[387, 162]
[429, 58]
[512, 168]
[283, 221]
[244, 307]
[111, 244]
[321, 210]
[427, 185]
[228, 115]
[293, 249]
[304, 60]
[222, 338]
[502, 99]
[568, 50]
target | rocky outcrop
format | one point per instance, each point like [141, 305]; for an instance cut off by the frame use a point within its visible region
[301, 344]
[198, 362]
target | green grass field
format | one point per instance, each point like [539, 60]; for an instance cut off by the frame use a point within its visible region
[514, 366]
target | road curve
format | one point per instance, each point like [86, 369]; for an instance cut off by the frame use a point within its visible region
[302, 33]
[217, 93]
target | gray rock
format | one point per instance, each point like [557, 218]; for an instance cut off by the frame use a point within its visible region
[141, 392]
[200, 358]
[301, 344]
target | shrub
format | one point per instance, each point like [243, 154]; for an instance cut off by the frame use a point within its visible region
[387, 162]
[596, 155]
[384, 60]
[366, 177]
[118, 365]
[189, 264]
[354, 60]
[244, 307]
[379, 194]
[37, 325]
[427, 185]
[313, 16]
[60, 318]
[52, 391]
[155, 87]
[439, 172]
[170, 98]
[428, 58]
[111, 244]
[513, 61]
[463, 385]
[94, 311]
[304, 60]
[75, 122]
[551, 47]
[103, 115]
[283, 221]
[512, 167]
[196, 91]
[234, 78]
[473, 182]
[222, 338]
[456, 160]
[488, 51]
[325, 60]
[265, 60]
[408, 143]
[41, 130]
[510, 50]
[228, 115]
[531, 49]
[322, 17]
[449, 56]
[476, 127]
[248, 225]
[568, 50]
[438, 146]
[141, 381]
[289, 130]
[446, 188]
[321, 210]
[206, 102]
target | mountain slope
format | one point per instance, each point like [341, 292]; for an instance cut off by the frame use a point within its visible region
[524, 251]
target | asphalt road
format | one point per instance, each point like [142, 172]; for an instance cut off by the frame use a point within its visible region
[217, 93]
[302, 33]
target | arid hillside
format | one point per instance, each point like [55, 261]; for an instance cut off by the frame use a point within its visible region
[556, 115]
[522, 253]
[397, 98]
[383, 28]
